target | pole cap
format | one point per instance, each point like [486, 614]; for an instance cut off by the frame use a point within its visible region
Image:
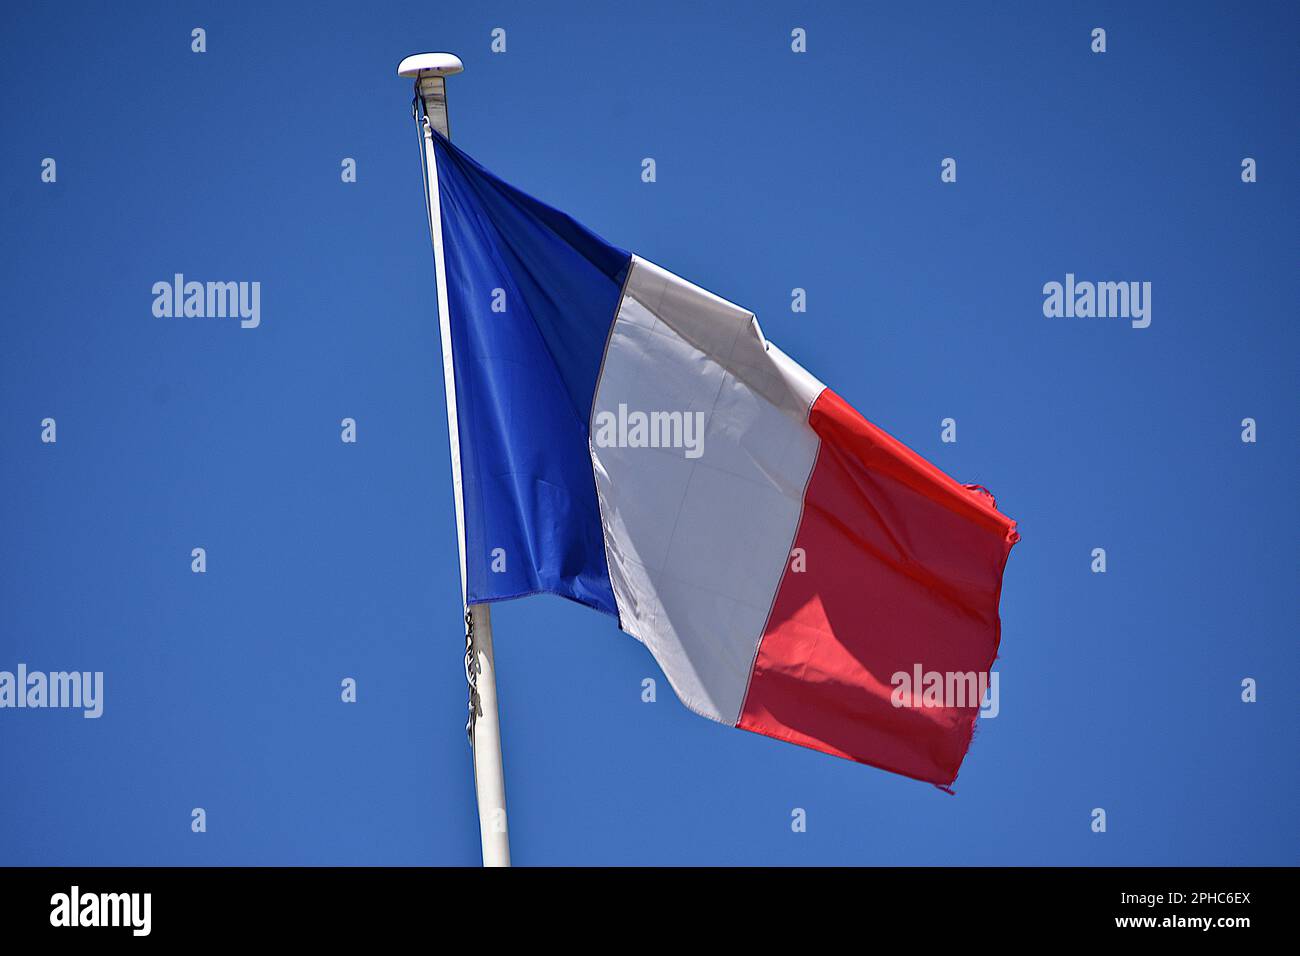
[427, 64]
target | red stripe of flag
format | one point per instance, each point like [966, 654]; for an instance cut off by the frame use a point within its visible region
[903, 571]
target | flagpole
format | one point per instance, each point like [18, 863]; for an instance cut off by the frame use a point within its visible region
[430, 71]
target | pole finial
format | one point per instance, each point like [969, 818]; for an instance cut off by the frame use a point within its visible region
[430, 71]
[430, 64]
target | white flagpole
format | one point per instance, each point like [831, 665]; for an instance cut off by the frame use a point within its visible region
[429, 71]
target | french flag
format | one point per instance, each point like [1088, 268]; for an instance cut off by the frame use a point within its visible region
[632, 442]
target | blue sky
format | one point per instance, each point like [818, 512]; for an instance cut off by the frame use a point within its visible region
[775, 170]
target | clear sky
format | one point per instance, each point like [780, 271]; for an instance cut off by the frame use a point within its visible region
[775, 170]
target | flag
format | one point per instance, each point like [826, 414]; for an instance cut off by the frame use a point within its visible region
[632, 442]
